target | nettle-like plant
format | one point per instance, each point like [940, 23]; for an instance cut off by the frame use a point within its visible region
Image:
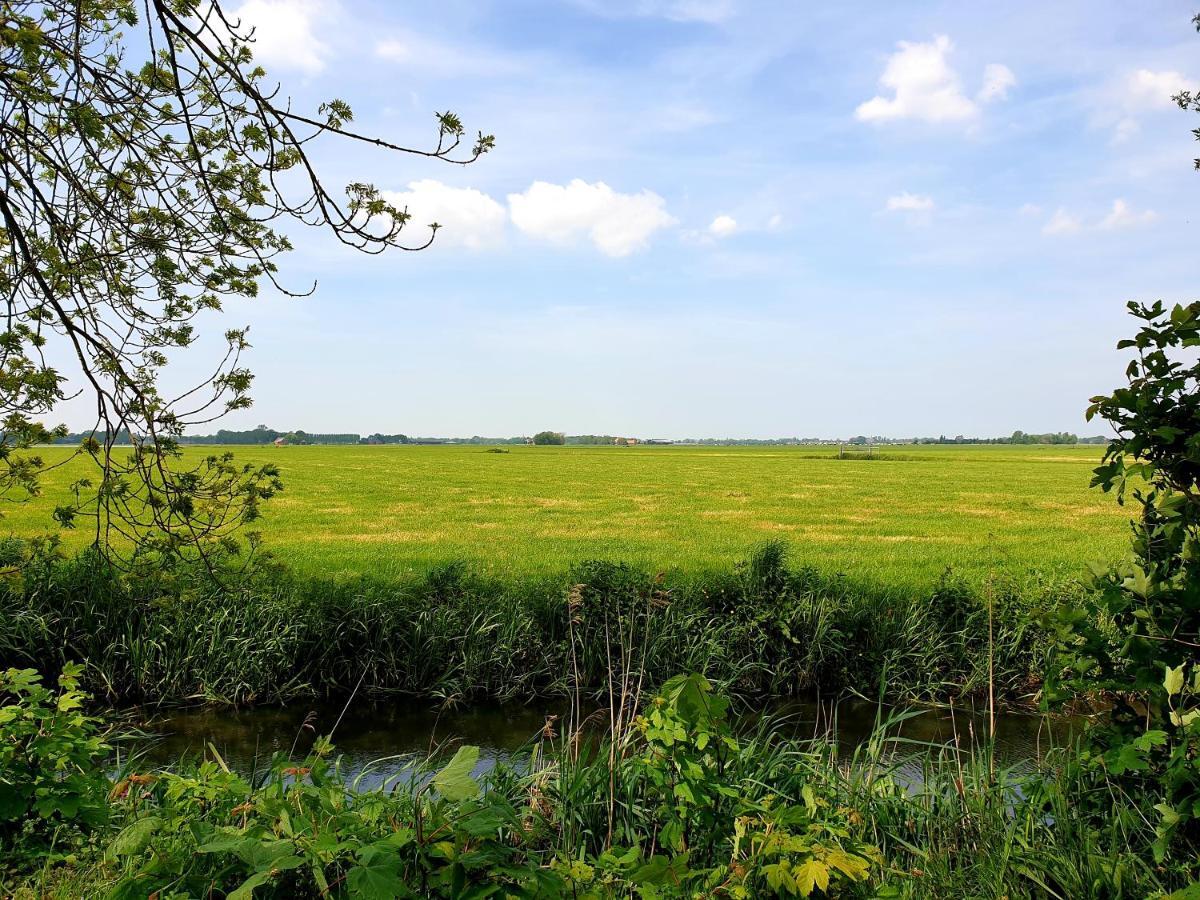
[306, 831]
[52, 755]
[1136, 639]
[702, 810]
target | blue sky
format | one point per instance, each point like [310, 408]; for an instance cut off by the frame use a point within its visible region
[717, 217]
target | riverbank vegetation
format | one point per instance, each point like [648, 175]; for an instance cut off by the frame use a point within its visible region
[670, 802]
[762, 628]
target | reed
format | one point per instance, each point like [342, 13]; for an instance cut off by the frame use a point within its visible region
[762, 628]
[684, 805]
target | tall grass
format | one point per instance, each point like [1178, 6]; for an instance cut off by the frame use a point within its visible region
[959, 827]
[761, 628]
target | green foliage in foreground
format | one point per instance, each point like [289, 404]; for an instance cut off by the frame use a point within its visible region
[169, 635]
[675, 805]
[51, 766]
[1137, 635]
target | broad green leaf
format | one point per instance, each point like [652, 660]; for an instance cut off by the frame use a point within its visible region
[1155, 737]
[853, 867]
[245, 890]
[267, 855]
[810, 799]
[651, 872]
[134, 837]
[779, 879]
[454, 781]
[811, 874]
[377, 878]
[660, 870]
[228, 841]
[1173, 681]
[1170, 818]
[1185, 719]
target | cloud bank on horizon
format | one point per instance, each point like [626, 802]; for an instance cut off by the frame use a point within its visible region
[692, 199]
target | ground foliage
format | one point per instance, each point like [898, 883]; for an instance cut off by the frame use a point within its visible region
[700, 810]
[166, 634]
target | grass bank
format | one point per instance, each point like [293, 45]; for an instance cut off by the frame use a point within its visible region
[762, 627]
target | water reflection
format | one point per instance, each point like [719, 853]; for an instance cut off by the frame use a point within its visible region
[365, 733]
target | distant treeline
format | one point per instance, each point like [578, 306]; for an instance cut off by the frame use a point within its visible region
[260, 435]
[1017, 437]
[264, 435]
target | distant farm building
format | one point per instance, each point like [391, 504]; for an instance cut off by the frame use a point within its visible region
[280, 442]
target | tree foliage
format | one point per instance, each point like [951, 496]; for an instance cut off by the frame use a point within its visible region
[1136, 639]
[550, 437]
[148, 167]
[1190, 100]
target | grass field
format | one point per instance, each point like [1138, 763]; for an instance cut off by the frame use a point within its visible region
[899, 520]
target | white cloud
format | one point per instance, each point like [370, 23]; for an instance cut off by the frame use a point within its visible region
[926, 88]
[1030, 209]
[907, 202]
[1062, 222]
[285, 32]
[997, 79]
[618, 224]
[1121, 216]
[710, 12]
[469, 218]
[722, 226]
[775, 222]
[1125, 129]
[1145, 89]
[434, 57]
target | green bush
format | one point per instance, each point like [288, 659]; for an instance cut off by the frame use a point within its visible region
[1135, 639]
[52, 783]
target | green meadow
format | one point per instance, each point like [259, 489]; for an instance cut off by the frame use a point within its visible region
[901, 519]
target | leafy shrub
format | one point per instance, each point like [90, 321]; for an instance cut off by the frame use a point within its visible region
[1136, 637]
[697, 805]
[52, 756]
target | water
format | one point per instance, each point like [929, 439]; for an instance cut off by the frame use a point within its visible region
[397, 732]
[373, 740]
